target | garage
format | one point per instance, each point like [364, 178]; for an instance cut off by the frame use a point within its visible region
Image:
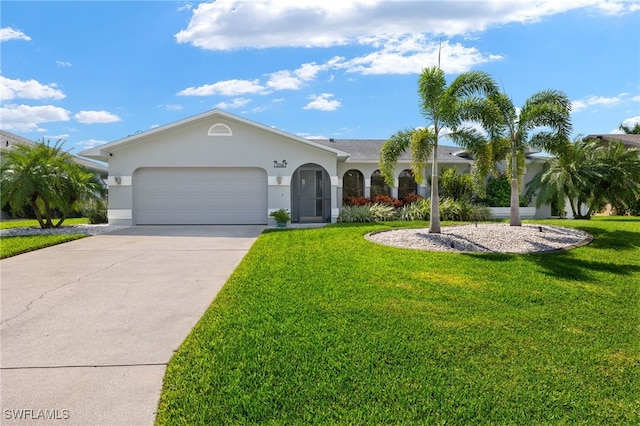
[200, 196]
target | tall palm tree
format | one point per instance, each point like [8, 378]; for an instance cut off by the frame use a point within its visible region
[444, 107]
[543, 122]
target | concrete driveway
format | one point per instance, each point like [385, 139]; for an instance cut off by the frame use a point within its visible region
[87, 327]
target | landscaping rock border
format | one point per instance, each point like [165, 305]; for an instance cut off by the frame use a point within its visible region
[486, 237]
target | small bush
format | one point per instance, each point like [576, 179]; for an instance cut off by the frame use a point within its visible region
[96, 211]
[386, 200]
[418, 210]
[411, 198]
[357, 201]
[355, 213]
[382, 212]
[367, 213]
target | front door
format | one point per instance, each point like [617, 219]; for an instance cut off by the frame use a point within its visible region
[312, 190]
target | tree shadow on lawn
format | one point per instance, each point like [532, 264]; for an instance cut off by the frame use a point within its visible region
[564, 265]
[614, 240]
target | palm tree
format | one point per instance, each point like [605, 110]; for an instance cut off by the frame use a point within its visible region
[569, 176]
[45, 178]
[589, 174]
[544, 122]
[444, 107]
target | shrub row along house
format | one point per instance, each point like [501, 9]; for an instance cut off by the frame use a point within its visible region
[218, 168]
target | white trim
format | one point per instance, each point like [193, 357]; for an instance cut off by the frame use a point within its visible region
[119, 214]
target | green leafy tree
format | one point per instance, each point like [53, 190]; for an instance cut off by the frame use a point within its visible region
[543, 122]
[45, 178]
[445, 108]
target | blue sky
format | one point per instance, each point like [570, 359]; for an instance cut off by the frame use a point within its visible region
[92, 72]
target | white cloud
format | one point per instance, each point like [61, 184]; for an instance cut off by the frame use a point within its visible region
[93, 117]
[63, 64]
[589, 101]
[234, 104]
[30, 89]
[26, 118]
[8, 33]
[323, 102]
[311, 136]
[90, 143]
[171, 107]
[284, 80]
[411, 55]
[237, 24]
[225, 88]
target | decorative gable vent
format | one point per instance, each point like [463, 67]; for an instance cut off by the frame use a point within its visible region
[219, 129]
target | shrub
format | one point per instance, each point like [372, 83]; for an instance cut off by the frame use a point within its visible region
[367, 213]
[461, 210]
[455, 185]
[418, 210]
[386, 200]
[411, 198]
[382, 212]
[498, 193]
[357, 201]
[96, 211]
[355, 213]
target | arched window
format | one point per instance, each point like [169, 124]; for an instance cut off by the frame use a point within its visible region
[352, 185]
[406, 184]
[378, 185]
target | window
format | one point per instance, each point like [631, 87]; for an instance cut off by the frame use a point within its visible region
[378, 185]
[352, 185]
[406, 184]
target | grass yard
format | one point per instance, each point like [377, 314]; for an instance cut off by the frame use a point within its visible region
[12, 246]
[319, 326]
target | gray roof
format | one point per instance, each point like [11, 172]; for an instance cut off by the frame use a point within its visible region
[632, 141]
[368, 150]
[8, 139]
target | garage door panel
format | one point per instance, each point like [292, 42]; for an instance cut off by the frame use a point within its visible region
[200, 196]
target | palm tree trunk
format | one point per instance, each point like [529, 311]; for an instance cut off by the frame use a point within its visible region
[434, 217]
[36, 211]
[515, 196]
[515, 203]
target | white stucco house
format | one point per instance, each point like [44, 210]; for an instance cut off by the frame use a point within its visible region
[218, 168]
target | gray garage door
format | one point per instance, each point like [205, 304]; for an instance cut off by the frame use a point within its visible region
[200, 196]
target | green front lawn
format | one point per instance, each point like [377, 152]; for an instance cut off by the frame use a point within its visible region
[12, 246]
[25, 223]
[321, 326]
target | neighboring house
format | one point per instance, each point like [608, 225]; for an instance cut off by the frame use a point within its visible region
[629, 140]
[218, 168]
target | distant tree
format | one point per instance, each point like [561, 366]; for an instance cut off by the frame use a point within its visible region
[47, 179]
[444, 107]
[635, 130]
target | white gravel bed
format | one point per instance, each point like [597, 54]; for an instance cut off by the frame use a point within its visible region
[485, 237]
[70, 229]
